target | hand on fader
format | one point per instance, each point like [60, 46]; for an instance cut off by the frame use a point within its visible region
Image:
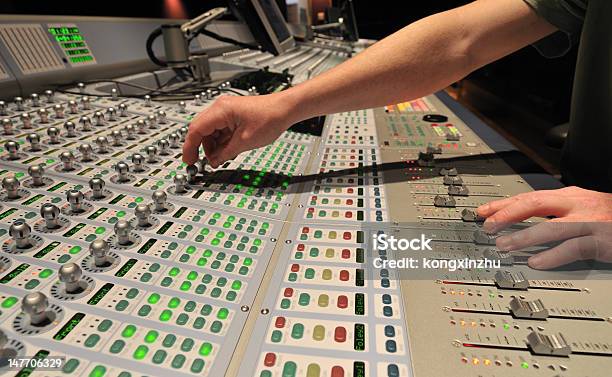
[235, 124]
[582, 219]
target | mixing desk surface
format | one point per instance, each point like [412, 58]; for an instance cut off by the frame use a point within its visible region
[119, 260]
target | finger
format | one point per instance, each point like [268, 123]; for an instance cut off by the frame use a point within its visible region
[210, 145]
[227, 151]
[542, 233]
[582, 248]
[536, 204]
[490, 208]
[191, 147]
[205, 124]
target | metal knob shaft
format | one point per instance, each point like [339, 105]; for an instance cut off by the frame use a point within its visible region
[138, 161]
[35, 305]
[53, 134]
[70, 275]
[75, 199]
[180, 183]
[122, 232]
[67, 159]
[97, 187]
[99, 249]
[159, 200]
[37, 172]
[86, 152]
[20, 232]
[11, 186]
[122, 169]
[143, 215]
[70, 129]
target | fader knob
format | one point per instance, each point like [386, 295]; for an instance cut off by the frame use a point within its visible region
[152, 121]
[147, 100]
[12, 147]
[114, 94]
[34, 141]
[85, 123]
[183, 132]
[143, 215]
[85, 103]
[35, 100]
[163, 145]
[122, 169]
[202, 165]
[37, 172]
[102, 143]
[50, 213]
[141, 126]
[18, 103]
[122, 230]
[70, 129]
[192, 172]
[138, 161]
[3, 108]
[59, 111]
[174, 139]
[43, 115]
[86, 152]
[50, 96]
[161, 117]
[99, 119]
[11, 186]
[81, 87]
[151, 152]
[111, 114]
[35, 305]
[70, 274]
[117, 138]
[99, 249]
[53, 134]
[7, 126]
[180, 181]
[67, 159]
[97, 187]
[20, 232]
[182, 107]
[73, 108]
[159, 199]
[75, 200]
[130, 132]
[197, 100]
[209, 94]
[26, 121]
[123, 110]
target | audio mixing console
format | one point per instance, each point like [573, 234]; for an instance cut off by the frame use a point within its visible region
[123, 261]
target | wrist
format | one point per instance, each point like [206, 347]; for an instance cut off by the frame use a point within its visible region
[292, 107]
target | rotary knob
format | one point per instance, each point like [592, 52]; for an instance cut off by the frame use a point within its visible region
[85, 103]
[35, 100]
[86, 152]
[102, 143]
[138, 161]
[3, 108]
[197, 100]
[50, 96]
[73, 107]
[147, 100]
[151, 152]
[143, 215]
[7, 126]
[141, 126]
[50, 213]
[20, 231]
[99, 119]
[43, 115]
[111, 114]
[11, 186]
[117, 138]
[97, 188]
[67, 159]
[161, 117]
[81, 87]
[202, 164]
[192, 173]
[58, 109]
[19, 103]
[123, 110]
[114, 94]
[99, 249]
[174, 139]
[183, 132]
[182, 107]
[53, 134]
[70, 275]
[180, 184]
[70, 129]
[123, 170]
[26, 121]
[122, 230]
[152, 121]
[130, 131]
[34, 141]
[163, 146]
[37, 172]
[12, 147]
[75, 199]
[35, 305]
[85, 123]
[209, 94]
[160, 199]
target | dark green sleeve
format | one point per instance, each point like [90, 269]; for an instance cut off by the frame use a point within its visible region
[567, 16]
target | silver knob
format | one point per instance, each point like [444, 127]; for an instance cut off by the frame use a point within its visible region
[70, 129]
[143, 215]
[159, 199]
[53, 134]
[85, 103]
[209, 94]
[35, 305]
[182, 107]
[138, 161]
[59, 110]
[130, 132]
[161, 117]
[81, 87]
[3, 108]
[197, 100]
[34, 141]
[50, 96]
[152, 121]
[7, 126]
[147, 100]
[117, 138]
[36, 172]
[111, 114]
[26, 120]
[75, 200]
[99, 249]
[11, 185]
[86, 152]
[35, 100]
[73, 108]
[163, 145]
[180, 181]
[151, 152]
[43, 114]
[174, 139]
[99, 118]
[183, 132]
[141, 126]
[122, 231]
[70, 274]
[123, 110]
[114, 94]
[50, 213]
[192, 172]
[85, 123]
[19, 103]
[102, 143]
[122, 169]
[97, 187]
[20, 232]
[67, 159]
[202, 165]
[12, 147]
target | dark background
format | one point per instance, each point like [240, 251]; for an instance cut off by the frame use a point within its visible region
[524, 83]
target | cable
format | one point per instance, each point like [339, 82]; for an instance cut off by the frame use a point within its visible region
[221, 38]
[149, 47]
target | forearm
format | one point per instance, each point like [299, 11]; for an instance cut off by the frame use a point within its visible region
[422, 58]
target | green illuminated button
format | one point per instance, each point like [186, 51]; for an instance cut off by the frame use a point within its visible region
[205, 349]
[117, 346]
[165, 315]
[9, 302]
[185, 286]
[70, 366]
[159, 356]
[289, 369]
[151, 336]
[140, 352]
[199, 323]
[144, 310]
[100, 230]
[98, 371]
[92, 340]
[178, 361]
[45, 273]
[128, 331]
[153, 298]
[105, 325]
[169, 340]
[197, 366]
[222, 314]
[74, 250]
[297, 331]
[174, 302]
[174, 271]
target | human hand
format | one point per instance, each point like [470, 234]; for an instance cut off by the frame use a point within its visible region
[235, 124]
[582, 219]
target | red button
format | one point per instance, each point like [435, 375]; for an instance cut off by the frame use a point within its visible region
[311, 209]
[340, 334]
[280, 322]
[348, 214]
[342, 302]
[300, 247]
[314, 197]
[346, 253]
[350, 190]
[305, 229]
[344, 275]
[295, 267]
[288, 292]
[347, 236]
[270, 359]
[337, 371]
[349, 202]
